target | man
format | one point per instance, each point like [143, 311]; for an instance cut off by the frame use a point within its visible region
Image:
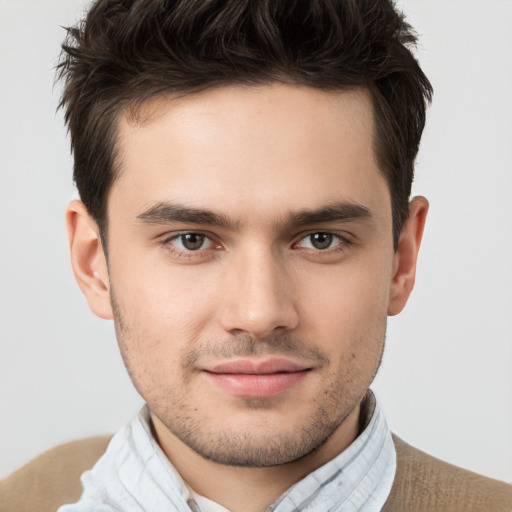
[244, 171]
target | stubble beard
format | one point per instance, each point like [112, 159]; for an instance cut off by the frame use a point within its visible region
[262, 446]
[256, 446]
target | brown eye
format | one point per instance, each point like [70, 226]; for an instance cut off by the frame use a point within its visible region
[321, 241]
[192, 241]
[196, 246]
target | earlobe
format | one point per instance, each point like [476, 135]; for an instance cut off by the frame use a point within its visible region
[88, 259]
[404, 267]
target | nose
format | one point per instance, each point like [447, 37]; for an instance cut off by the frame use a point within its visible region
[258, 297]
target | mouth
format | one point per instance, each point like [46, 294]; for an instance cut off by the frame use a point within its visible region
[257, 379]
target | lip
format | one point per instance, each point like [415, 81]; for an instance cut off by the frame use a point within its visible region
[256, 379]
[257, 367]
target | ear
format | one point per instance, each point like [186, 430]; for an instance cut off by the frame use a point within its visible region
[88, 259]
[404, 266]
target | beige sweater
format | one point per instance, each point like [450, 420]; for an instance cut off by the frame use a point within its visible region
[422, 483]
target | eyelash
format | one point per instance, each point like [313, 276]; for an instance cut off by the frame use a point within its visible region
[167, 243]
[342, 245]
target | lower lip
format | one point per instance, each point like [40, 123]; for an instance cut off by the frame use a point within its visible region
[256, 386]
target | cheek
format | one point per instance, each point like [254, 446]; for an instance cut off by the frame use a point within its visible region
[163, 298]
[347, 309]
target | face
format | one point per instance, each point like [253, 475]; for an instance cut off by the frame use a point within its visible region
[251, 267]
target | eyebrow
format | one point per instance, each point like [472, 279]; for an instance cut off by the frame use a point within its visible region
[337, 211]
[166, 213]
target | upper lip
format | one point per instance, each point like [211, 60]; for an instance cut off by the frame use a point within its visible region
[255, 367]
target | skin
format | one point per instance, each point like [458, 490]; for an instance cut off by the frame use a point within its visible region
[260, 279]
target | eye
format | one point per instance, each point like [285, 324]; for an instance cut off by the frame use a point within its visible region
[190, 242]
[320, 241]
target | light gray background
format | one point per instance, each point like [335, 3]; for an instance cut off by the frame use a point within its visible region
[446, 382]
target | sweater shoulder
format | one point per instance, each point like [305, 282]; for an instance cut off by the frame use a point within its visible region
[424, 483]
[51, 479]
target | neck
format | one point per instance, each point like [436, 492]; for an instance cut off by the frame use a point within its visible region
[251, 489]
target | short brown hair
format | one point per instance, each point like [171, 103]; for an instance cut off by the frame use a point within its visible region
[128, 51]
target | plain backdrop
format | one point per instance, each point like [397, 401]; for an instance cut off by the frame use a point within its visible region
[446, 380]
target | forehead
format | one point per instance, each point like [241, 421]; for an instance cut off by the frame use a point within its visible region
[248, 149]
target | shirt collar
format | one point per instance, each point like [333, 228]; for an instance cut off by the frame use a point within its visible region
[359, 478]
